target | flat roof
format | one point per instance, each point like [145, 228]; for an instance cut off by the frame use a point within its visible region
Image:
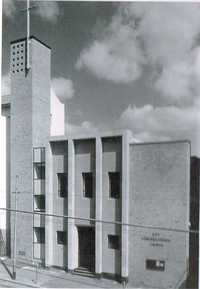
[89, 135]
[31, 37]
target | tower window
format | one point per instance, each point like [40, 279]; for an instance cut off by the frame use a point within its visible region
[13, 59]
[113, 242]
[22, 45]
[13, 53]
[87, 185]
[17, 58]
[22, 51]
[13, 47]
[62, 185]
[17, 52]
[114, 184]
[17, 46]
[61, 238]
[22, 69]
[22, 57]
[155, 265]
[17, 70]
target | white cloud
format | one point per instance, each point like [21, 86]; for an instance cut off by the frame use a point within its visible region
[164, 123]
[85, 127]
[63, 88]
[162, 35]
[9, 8]
[116, 55]
[5, 84]
[48, 10]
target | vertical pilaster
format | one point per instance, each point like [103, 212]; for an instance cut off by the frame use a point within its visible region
[125, 209]
[72, 233]
[98, 211]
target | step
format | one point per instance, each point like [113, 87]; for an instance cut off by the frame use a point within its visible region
[83, 272]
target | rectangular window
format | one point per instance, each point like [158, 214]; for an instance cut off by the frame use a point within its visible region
[113, 242]
[39, 235]
[39, 171]
[39, 203]
[62, 185]
[61, 238]
[87, 185]
[114, 184]
[155, 265]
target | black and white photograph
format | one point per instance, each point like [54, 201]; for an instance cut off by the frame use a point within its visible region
[99, 144]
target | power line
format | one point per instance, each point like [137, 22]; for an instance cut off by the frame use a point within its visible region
[103, 221]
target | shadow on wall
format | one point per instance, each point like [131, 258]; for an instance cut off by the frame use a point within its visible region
[192, 281]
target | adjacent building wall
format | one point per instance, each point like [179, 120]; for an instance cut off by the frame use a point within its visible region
[159, 197]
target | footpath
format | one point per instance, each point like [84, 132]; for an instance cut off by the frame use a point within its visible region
[28, 275]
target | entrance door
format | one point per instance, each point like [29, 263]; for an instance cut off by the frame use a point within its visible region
[87, 248]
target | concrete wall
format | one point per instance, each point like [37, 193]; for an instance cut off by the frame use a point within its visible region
[59, 205]
[111, 208]
[159, 196]
[84, 163]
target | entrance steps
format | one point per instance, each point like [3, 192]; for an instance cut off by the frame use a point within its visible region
[83, 272]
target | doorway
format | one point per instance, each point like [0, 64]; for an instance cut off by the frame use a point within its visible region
[86, 239]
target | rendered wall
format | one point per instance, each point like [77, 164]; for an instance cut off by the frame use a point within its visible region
[84, 162]
[111, 208]
[159, 197]
[59, 205]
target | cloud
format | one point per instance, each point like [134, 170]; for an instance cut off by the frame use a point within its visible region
[85, 127]
[163, 123]
[115, 55]
[9, 8]
[63, 88]
[161, 36]
[48, 10]
[5, 84]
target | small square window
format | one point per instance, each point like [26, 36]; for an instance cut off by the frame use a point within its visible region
[17, 58]
[13, 65]
[13, 47]
[13, 59]
[61, 238]
[155, 265]
[62, 185]
[87, 185]
[114, 184]
[13, 71]
[13, 53]
[17, 46]
[113, 242]
[17, 64]
[17, 52]
[22, 69]
[22, 57]
[22, 63]
[22, 51]
[17, 70]
[22, 45]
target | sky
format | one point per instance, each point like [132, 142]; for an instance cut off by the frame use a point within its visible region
[118, 65]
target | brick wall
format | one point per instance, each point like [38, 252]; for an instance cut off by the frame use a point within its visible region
[159, 197]
[30, 109]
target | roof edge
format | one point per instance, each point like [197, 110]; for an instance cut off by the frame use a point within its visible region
[31, 37]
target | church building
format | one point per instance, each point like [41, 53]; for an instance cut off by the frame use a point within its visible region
[126, 204]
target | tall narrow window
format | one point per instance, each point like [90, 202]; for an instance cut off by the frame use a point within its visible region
[114, 184]
[87, 185]
[62, 185]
